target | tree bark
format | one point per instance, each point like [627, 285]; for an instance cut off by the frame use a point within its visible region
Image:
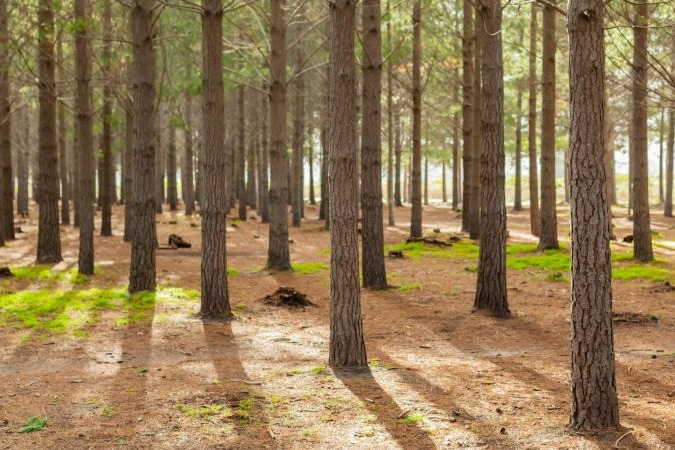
[6, 175]
[252, 153]
[474, 184]
[241, 152]
[347, 345]
[23, 162]
[594, 397]
[62, 141]
[548, 228]
[391, 202]
[278, 255]
[298, 91]
[264, 166]
[662, 125]
[398, 154]
[467, 111]
[517, 201]
[374, 272]
[491, 291]
[456, 170]
[187, 172]
[668, 201]
[143, 270]
[49, 239]
[416, 212]
[171, 182]
[106, 117]
[642, 235]
[129, 215]
[532, 125]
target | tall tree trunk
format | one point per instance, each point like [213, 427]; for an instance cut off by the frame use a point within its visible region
[85, 149]
[264, 166]
[310, 158]
[241, 152]
[159, 158]
[23, 163]
[374, 272]
[548, 228]
[298, 92]
[456, 170]
[187, 172]
[324, 208]
[517, 201]
[49, 239]
[251, 154]
[215, 303]
[594, 397]
[467, 111]
[491, 291]
[532, 124]
[416, 212]
[668, 201]
[398, 155]
[63, 131]
[6, 175]
[642, 235]
[347, 345]
[426, 181]
[662, 125]
[390, 129]
[171, 181]
[143, 270]
[474, 211]
[278, 255]
[444, 180]
[106, 116]
[129, 214]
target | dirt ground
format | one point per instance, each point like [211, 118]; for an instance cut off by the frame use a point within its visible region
[441, 377]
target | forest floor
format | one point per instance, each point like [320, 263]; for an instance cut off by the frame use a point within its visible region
[112, 372]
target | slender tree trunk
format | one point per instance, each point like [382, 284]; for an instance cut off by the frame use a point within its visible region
[251, 154]
[241, 152]
[374, 272]
[594, 397]
[668, 201]
[264, 170]
[23, 157]
[171, 182]
[398, 155]
[444, 191]
[6, 175]
[662, 125]
[324, 213]
[278, 256]
[310, 157]
[142, 275]
[474, 211]
[106, 116]
[517, 201]
[187, 172]
[129, 214]
[49, 239]
[390, 129]
[532, 125]
[611, 172]
[548, 231]
[642, 235]
[491, 291]
[455, 151]
[347, 345]
[298, 92]
[416, 212]
[467, 111]
[63, 131]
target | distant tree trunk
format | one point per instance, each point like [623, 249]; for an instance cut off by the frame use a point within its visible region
[6, 175]
[241, 152]
[215, 303]
[517, 201]
[310, 157]
[474, 211]
[85, 149]
[532, 124]
[566, 178]
[374, 272]
[416, 212]
[594, 397]
[347, 345]
[456, 170]
[491, 291]
[129, 214]
[142, 275]
[278, 255]
[611, 177]
[23, 159]
[298, 93]
[548, 231]
[426, 181]
[159, 160]
[662, 125]
[467, 111]
[49, 239]
[642, 235]
[187, 172]
[172, 188]
[62, 141]
[668, 202]
[251, 154]
[398, 154]
[390, 129]
[264, 166]
[444, 190]
[324, 208]
[106, 117]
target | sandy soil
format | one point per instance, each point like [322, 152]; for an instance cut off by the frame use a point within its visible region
[441, 376]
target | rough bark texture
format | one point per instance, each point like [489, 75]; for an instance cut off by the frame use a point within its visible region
[532, 124]
[467, 111]
[128, 173]
[171, 180]
[668, 201]
[517, 200]
[456, 170]
[416, 211]
[6, 175]
[548, 228]
[142, 276]
[594, 397]
[491, 291]
[374, 273]
[241, 152]
[398, 154]
[23, 164]
[252, 153]
[297, 188]
[642, 234]
[63, 143]
[347, 345]
[390, 128]
[324, 208]
[107, 176]
[187, 172]
[49, 239]
[264, 206]
[215, 303]
[474, 182]
[278, 255]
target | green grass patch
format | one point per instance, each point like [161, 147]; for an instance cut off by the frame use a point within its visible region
[34, 424]
[306, 268]
[410, 286]
[410, 420]
[651, 271]
[204, 411]
[319, 370]
[231, 271]
[40, 272]
[462, 249]
[244, 410]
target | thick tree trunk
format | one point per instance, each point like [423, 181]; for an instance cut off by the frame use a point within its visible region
[264, 162]
[278, 255]
[594, 397]
[187, 172]
[532, 124]
[171, 181]
[467, 111]
[642, 235]
[416, 211]
[374, 272]
[390, 129]
[6, 175]
[129, 214]
[241, 152]
[668, 201]
[297, 188]
[49, 239]
[474, 211]
[548, 228]
[63, 143]
[143, 270]
[491, 291]
[347, 345]
[106, 117]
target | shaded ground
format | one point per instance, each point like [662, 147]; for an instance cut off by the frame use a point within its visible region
[147, 374]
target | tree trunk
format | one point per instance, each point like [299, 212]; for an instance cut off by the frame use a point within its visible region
[106, 117]
[390, 129]
[129, 215]
[491, 291]
[278, 255]
[398, 155]
[662, 125]
[264, 160]
[474, 211]
[668, 201]
[241, 152]
[532, 125]
[310, 157]
[49, 239]
[23, 160]
[251, 154]
[467, 111]
[347, 345]
[444, 190]
[548, 228]
[455, 151]
[62, 141]
[517, 201]
[171, 182]
[374, 273]
[187, 172]
[298, 92]
[416, 212]
[642, 235]
[215, 303]
[594, 397]
[6, 175]
[324, 208]
[142, 275]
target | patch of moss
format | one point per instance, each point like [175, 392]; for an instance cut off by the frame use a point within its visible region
[204, 411]
[410, 286]
[641, 271]
[410, 420]
[462, 249]
[306, 268]
[244, 410]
